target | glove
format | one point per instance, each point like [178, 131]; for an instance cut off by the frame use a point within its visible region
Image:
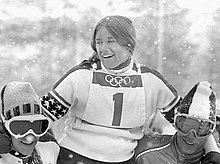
[5, 140]
[211, 158]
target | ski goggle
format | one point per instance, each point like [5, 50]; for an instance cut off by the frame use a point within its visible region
[20, 126]
[201, 127]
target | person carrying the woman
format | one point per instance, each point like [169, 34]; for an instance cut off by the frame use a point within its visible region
[23, 120]
[195, 120]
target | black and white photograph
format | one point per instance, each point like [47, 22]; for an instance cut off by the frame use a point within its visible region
[110, 82]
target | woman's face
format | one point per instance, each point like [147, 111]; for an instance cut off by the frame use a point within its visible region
[25, 145]
[109, 51]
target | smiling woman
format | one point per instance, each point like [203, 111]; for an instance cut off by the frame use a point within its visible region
[114, 48]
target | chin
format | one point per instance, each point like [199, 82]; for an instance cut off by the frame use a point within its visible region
[27, 149]
[189, 149]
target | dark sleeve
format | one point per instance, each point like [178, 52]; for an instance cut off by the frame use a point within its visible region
[211, 158]
[5, 140]
[151, 141]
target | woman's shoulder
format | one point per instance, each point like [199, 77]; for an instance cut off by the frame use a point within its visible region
[85, 64]
[152, 74]
[72, 73]
[147, 70]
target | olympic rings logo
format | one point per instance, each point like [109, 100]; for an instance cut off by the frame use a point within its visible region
[117, 81]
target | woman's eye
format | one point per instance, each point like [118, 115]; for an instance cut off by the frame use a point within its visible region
[111, 41]
[98, 42]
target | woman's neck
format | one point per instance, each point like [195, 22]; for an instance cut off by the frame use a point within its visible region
[121, 68]
[122, 65]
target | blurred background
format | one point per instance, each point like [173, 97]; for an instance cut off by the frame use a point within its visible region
[42, 39]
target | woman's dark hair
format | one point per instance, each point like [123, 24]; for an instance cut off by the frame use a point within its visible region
[120, 27]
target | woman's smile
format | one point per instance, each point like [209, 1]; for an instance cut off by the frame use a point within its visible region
[106, 56]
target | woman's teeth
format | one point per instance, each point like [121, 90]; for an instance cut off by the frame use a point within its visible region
[107, 56]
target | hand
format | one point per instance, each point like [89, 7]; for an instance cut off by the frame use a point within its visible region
[211, 158]
[5, 140]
